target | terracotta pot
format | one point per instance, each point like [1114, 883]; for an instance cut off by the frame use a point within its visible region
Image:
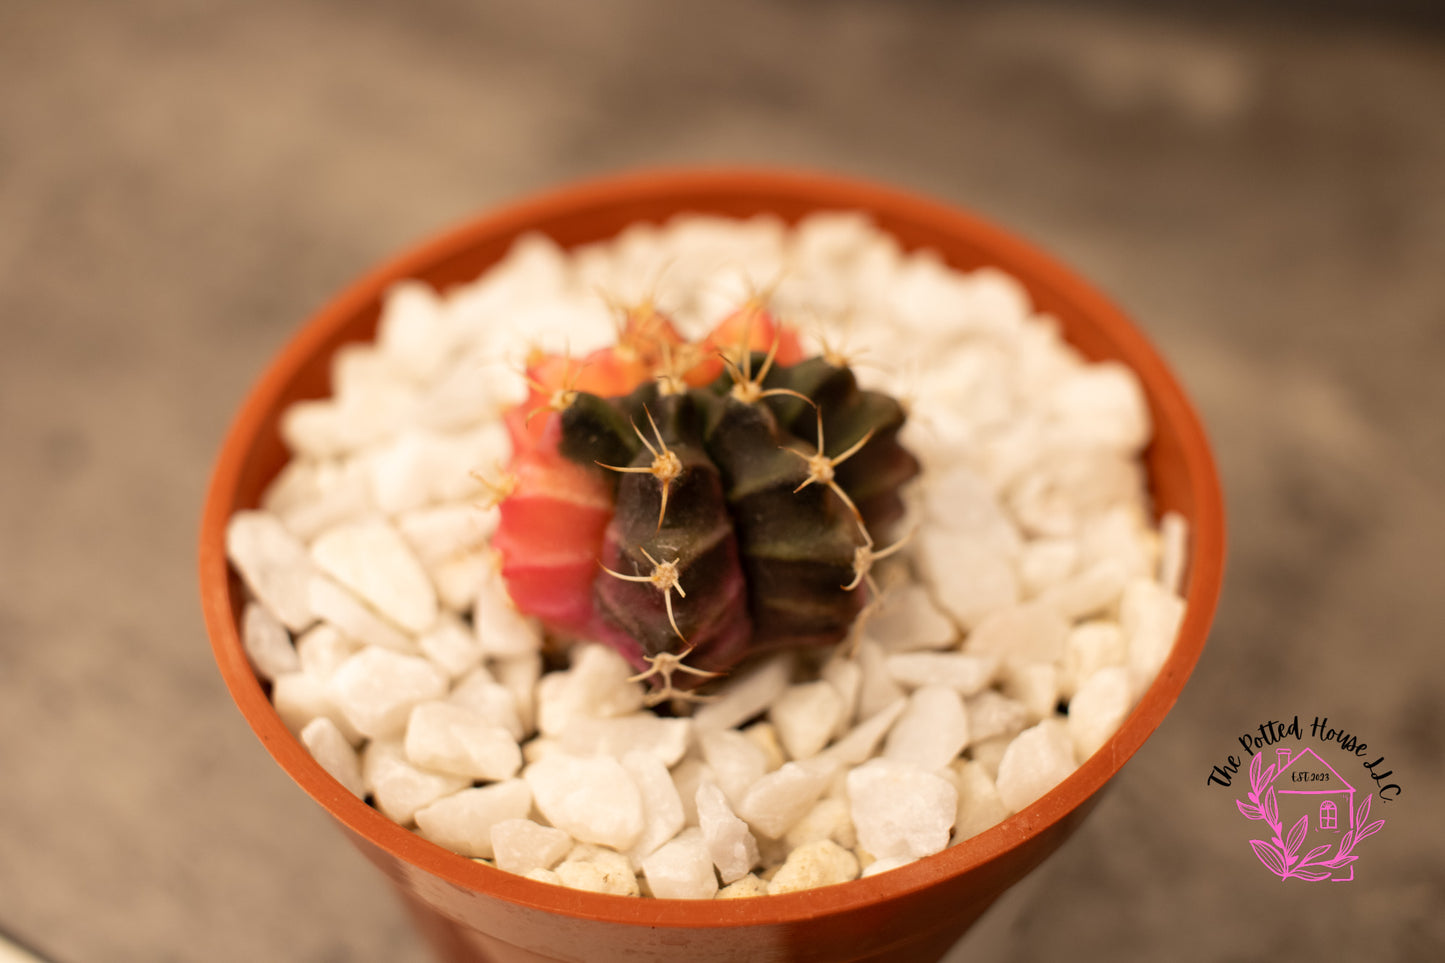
[470, 911]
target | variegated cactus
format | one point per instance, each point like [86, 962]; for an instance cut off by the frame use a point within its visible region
[693, 504]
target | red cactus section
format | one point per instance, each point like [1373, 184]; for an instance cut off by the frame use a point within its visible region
[751, 325]
[551, 528]
[606, 372]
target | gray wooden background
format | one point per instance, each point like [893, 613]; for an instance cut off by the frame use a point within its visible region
[182, 183]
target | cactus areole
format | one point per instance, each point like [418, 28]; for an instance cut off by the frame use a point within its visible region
[694, 504]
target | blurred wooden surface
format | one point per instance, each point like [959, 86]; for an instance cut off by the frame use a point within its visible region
[181, 184]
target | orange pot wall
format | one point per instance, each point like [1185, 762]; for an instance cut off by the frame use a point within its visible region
[470, 911]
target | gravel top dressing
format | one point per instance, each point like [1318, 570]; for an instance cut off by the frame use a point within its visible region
[563, 577]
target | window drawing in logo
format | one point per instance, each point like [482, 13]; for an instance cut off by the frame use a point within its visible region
[1326, 824]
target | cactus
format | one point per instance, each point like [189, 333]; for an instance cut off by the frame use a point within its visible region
[692, 506]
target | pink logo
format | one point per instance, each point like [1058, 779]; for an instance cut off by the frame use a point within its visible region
[1330, 825]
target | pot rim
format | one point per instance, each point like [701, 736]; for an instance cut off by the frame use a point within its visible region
[802, 189]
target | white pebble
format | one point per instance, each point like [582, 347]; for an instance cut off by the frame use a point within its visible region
[399, 788]
[687, 776]
[999, 300]
[460, 578]
[980, 806]
[932, 730]
[267, 643]
[501, 630]
[736, 762]
[1019, 635]
[846, 678]
[329, 428]
[595, 687]
[1173, 551]
[1091, 646]
[821, 863]
[412, 330]
[463, 821]
[274, 565]
[1045, 562]
[603, 871]
[377, 688]
[662, 811]
[440, 532]
[354, 619]
[1036, 761]
[731, 845]
[332, 750]
[450, 646]
[877, 690]
[991, 713]
[746, 694]
[322, 649]
[749, 886]
[371, 559]
[1101, 404]
[1067, 486]
[969, 580]
[777, 800]
[591, 798]
[861, 741]
[806, 716]
[327, 494]
[540, 748]
[899, 809]
[884, 865]
[681, 869]
[520, 845]
[451, 739]
[300, 697]
[829, 818]
[1150, 617]
[964, 673]
[1087, 592]
[765, 737]
[406, 472]
[1123, 535]
[1098, 709]
[988, 753]
[907, 619]
[665, 738]
[1035, 685]
[494, 702]
[960, 502]
[520, 674]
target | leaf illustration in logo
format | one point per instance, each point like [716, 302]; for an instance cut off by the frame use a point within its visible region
[1315, 853]
[1250, 812]
[1362, 812]
[1271, 807]
[1268, 855]
[1313, 875]
[1370, 830]
[1296, 836]
[1256, 771]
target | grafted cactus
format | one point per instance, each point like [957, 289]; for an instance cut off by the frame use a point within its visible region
[726, 503]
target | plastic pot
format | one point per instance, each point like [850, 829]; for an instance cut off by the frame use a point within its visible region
[470, 911]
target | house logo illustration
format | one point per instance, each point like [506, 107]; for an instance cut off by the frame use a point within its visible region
[1315, 820]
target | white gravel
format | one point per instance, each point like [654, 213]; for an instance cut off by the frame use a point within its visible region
[1033, 604]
